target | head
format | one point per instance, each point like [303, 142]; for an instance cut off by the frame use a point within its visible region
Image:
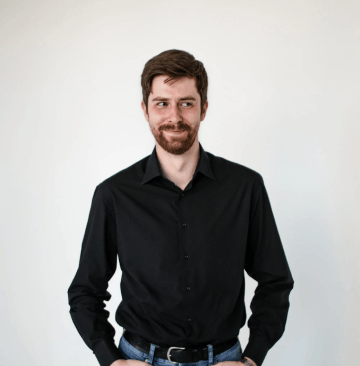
[174, 87]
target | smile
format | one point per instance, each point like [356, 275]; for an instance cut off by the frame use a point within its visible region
[175, 132]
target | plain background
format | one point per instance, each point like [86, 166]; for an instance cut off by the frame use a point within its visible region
[283, 100]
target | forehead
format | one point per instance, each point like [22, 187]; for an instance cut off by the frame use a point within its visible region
[182, 86]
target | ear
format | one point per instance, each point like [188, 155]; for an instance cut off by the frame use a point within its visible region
[143, 106]
[203, 114]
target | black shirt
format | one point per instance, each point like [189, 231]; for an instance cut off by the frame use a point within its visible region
[182, 254]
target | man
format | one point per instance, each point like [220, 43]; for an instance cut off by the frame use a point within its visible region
[185, 224]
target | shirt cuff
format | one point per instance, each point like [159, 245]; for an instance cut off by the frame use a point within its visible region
[256, 349]
[106, 352]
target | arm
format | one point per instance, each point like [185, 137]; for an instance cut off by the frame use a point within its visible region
[266, 263]
[88, 290]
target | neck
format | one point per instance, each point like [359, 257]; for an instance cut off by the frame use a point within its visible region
[178, 168]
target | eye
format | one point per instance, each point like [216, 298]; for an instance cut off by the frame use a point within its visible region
[166, 103]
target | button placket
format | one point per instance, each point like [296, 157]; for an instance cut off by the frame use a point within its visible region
[183, 243]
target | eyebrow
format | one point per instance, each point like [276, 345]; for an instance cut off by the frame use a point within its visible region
[162, 99]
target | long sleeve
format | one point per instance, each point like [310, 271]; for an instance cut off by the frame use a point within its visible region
[266, 263]
[88, 290]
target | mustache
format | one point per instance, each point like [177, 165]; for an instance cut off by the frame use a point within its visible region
[179, 128]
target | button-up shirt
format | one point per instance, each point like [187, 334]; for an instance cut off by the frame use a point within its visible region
[182, 254]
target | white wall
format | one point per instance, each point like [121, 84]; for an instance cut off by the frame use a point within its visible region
[283, 100]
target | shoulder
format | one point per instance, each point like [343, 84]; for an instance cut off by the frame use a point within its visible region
[121, 180]
[126, 176]
[234, 170]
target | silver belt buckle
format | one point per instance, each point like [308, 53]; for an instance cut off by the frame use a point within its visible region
[168, 353]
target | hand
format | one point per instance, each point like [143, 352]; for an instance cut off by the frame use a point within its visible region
[236, 363]
[247, 358]
[135, 363]
[128, 363]
[118, 363]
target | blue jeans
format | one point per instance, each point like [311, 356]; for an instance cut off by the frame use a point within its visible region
[130, 352]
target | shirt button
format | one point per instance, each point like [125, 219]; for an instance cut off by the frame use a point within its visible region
[188, 288]
[184, 224]
[182, 194]
[188, 319]
[186, 256]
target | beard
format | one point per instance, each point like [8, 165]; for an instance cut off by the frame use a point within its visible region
[175, 144]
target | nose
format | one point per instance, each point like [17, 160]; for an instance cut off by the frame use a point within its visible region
[174, 115]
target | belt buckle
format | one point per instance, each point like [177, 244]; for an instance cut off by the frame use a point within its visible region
[168, 353]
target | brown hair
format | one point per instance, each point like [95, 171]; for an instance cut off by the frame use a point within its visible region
[175, 64]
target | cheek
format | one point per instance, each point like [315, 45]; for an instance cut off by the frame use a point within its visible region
[158, 116]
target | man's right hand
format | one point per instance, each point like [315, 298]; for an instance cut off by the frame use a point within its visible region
[128, 363]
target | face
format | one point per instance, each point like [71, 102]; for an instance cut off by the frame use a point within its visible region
[174, 113]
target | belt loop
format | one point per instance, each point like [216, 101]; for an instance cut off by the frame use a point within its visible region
[210, 354]
[150, 359]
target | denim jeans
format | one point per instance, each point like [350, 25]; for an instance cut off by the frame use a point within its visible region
[130, 352]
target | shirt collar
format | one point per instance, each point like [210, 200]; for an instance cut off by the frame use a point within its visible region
[153, 167]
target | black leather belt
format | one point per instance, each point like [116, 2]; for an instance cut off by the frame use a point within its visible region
[177, 354]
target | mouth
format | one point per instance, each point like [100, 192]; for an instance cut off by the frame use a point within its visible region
[175, 132]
